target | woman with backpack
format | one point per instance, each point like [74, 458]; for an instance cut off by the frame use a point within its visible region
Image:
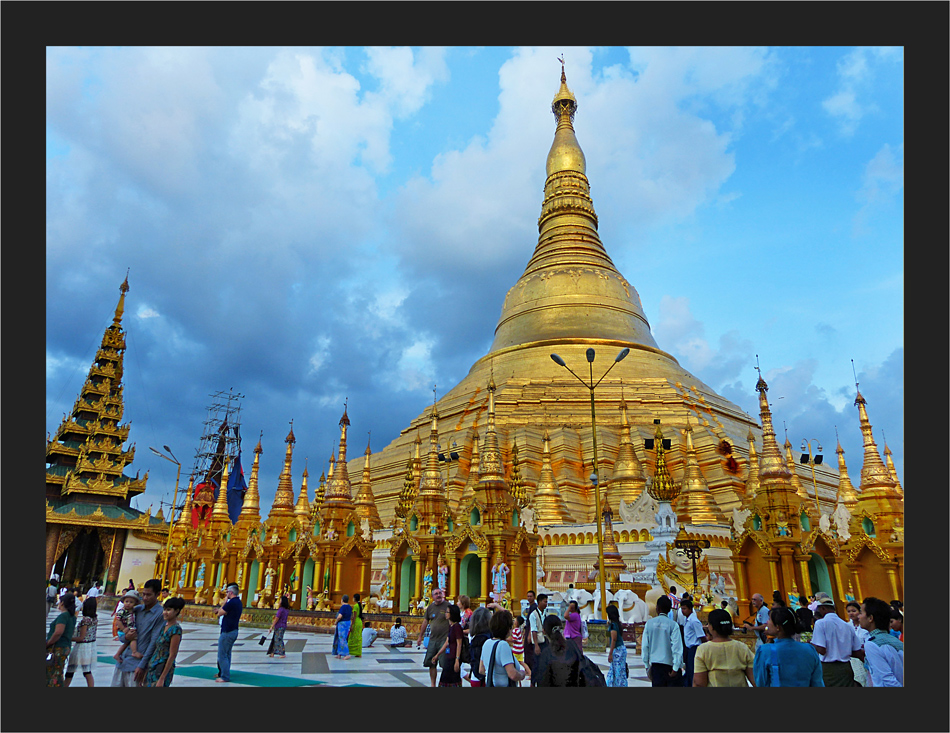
[560, 662]
[497, 663]
[480, 633]
[452, 650]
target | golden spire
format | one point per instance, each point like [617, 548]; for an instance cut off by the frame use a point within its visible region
[662, 487]
[251, 508]
[891, 469]
[771, 466]
[417, 462]
[549, 505]
[365, 502]
[570, 288]
[874, 473]
[284, 498]
[490, 467]
[120, 308]
[752, 480]
[339, 489]
[628, 479]
[302, 509]
[468, 492]
[795, 479]
[184, 519]
[431, 482]
[407, 496]
[321, 492]
[695, 503]
[517, 487]
[846, 493]
[220, 510]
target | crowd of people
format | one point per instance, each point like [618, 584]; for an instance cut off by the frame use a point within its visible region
[808, 646]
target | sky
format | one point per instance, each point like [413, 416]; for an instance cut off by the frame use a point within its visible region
[308, 226]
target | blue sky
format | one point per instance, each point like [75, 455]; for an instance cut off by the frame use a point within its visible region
[307, 225]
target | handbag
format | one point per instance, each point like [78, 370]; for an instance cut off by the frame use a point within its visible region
[50, 659]
[263, 639]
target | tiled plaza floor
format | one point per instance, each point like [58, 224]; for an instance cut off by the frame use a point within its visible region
[309, 661]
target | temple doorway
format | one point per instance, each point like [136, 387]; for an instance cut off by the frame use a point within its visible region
[83, 562]
[818, 575]
[470, 576]
[407, 582]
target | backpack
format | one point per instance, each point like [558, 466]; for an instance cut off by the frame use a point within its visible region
[589, 674]
[465, 654]
[489, 676]
[584, 632]
[475, 651]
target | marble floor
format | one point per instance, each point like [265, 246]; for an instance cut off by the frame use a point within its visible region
[309, 661]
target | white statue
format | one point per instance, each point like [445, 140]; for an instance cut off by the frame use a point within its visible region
[632, 608]
[842, 520]
[584, 601]
[641, 511]
[824, 523]
[527, 518]
[720, 589]
[610, 597]
[738, 519]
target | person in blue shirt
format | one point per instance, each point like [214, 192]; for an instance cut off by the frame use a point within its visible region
[786, 662]
[693, 635]
[231, 611]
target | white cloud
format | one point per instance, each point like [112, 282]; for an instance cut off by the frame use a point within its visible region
[855, 75]
[145, 311]
[883, 181]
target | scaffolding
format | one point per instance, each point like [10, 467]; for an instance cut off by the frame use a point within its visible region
[225, 407]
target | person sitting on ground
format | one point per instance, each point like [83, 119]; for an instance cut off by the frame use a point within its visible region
[369, 634]
[397, 634]
[125, 622]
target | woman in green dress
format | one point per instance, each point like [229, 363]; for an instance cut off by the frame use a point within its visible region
[161, 668]
[59, 640]
[355, 639]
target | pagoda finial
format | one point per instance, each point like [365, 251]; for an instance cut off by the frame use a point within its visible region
[120, 308]
[846, 492]
[662, 488]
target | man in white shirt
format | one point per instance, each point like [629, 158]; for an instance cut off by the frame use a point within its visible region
[761, 619]
[94, 591]
[835, 641]
[693, 635]
[536, 632]
[662, 647]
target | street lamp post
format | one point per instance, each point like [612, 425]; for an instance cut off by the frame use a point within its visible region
[171, 518]
[812, 462]
[594, 476]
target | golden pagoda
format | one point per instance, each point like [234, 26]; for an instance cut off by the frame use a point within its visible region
[89, 516]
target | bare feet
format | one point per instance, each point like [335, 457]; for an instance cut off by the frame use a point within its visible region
[137, 655]
[117, 656]
[218, 679]
[345, 658]
[281, 656]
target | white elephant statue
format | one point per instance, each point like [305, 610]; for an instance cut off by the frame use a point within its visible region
[584, 601]
[633, 609]
[610, 596]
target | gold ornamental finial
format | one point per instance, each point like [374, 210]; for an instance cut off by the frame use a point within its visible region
[846, 493]
[120, 308]
[662, 487]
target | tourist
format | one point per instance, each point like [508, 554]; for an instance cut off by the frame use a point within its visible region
[83, 654]
[369, 634]
[573, 631]
[161, 669]
[859, 667]
[59, 640]
[452, 649]
[883, 652]
[805, 616]
[617, 652]
[662, 647]
[279, 626]
[479, 633]
[693, 635]
[786, 663]
[397, 634]
[536, 640]
[465, 606]
[517, 640]
[130, 671]
[835, 641]
[496, 662]
[722, 662]
[437, 624]
[559, 664]
[355, 642]
[230, 611]
[124, 622]
[761, 619]
[341, 634]
[51, 595]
